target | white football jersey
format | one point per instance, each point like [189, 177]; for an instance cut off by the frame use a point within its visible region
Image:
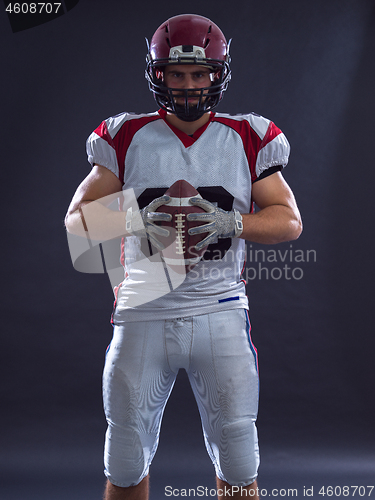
[221, 160]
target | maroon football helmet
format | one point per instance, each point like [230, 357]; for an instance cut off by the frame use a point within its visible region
[188, 39]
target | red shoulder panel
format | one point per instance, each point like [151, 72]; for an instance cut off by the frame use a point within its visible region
[251, 141]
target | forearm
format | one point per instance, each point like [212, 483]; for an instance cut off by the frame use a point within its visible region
[94, 220]
[272, 224]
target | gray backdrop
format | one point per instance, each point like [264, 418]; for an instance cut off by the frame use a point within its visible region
[308, 66]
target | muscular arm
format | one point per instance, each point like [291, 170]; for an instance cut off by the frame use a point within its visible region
[85, 214]
[278, 219]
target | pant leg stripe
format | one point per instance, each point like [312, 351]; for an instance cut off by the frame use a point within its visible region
[252, 346]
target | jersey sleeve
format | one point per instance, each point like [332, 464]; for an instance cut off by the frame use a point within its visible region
[264, 144]
[273, 149]
[101, 147]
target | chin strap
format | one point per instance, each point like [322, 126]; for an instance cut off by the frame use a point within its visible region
[191, 117]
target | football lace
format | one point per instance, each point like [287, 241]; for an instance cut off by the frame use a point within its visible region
[180, 237]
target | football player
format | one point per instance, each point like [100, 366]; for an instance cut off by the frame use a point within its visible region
[202, 325]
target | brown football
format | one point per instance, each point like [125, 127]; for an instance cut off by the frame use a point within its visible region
[180, 244]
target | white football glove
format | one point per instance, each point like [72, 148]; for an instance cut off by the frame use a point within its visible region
[221, 224]
[141, 222]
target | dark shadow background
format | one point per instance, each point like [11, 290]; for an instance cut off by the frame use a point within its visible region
[308, 66]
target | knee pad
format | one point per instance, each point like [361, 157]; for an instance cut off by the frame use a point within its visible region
[126, 458]
[237, 459]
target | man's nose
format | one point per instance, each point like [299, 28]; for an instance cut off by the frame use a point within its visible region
[188, 82]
